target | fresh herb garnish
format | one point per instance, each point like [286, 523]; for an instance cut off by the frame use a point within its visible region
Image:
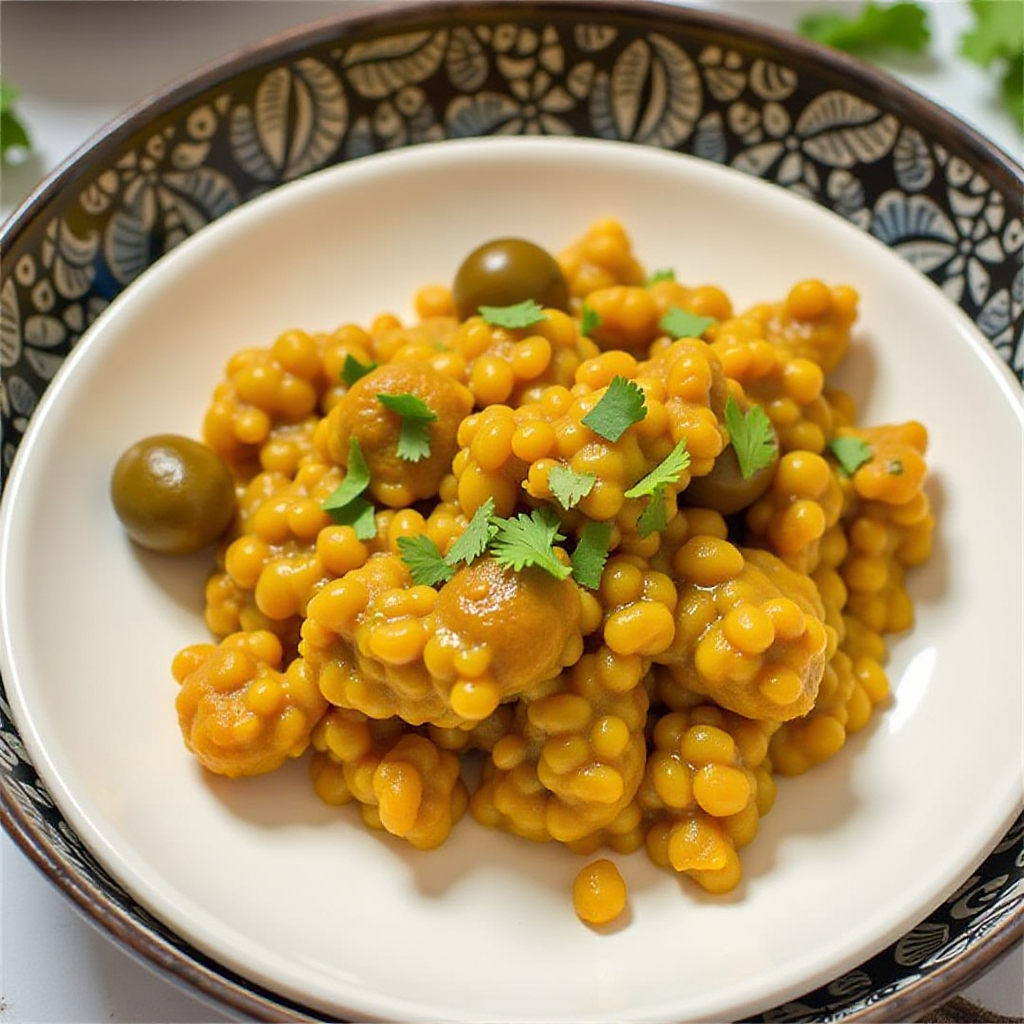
[13, 133]
[353, 370]
[654, 517]
[522, 314]
[425, 563]
[621, 406]
[529, 540]
[851, 452]
[751, 436]
[681, 323]
[414, 435]
[428, 567]
[661, 275]
[664, 474]
[591, 553]
[899, 26]
[568, 486]
[590, 320]
[474, 539]
[345, 504]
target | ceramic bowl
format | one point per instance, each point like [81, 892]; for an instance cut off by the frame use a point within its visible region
[110, 237]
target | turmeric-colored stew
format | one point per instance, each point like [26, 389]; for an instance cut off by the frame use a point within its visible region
[588, 524]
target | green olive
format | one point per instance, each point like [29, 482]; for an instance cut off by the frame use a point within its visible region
[173, 495]
[505, 272]
[725, 489]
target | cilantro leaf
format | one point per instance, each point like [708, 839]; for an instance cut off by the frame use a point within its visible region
[667, 472]
[997, 32]
[345, 504]
[622, 405]
[357, 479]
[590, 320]
[424, 561]
[354, 370]
[661, 275]
[654, 518]
[996, 41]
[475, 538]
[898, 26]
[529, 540]
[851, 452]
[568, 486]
[13, 133]
[360, 515]
[414, 435]
[751, 435]
[681, 323]
[522, 314]
[591, 553]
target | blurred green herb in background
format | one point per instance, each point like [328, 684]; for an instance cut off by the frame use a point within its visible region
[13, 134]
[994, 42]
[875, 28]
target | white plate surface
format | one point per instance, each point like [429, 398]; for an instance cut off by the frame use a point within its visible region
[299, 897]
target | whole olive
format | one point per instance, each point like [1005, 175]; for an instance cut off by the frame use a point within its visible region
[725, 489]
[507, 271]
[173, 495]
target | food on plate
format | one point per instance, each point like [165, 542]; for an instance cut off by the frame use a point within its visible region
[620, 543]
[173, 495]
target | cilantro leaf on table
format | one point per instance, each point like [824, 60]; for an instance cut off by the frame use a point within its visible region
[681, 323]
[353, 370]
[851, 452]
[591, 554]
[876, 26]
[568, 486]
[622, 405]
[414, 435]
[751, 435]
[425, 563]
[996, 42]
[474, 540]
[529, 540]
[522, 314]
[13, 133]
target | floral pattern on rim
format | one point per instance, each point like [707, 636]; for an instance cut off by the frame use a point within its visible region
[516, 73]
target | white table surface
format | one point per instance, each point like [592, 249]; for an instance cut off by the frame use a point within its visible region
[80, 63]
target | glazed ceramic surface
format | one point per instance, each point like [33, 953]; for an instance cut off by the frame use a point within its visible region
[899, 177]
